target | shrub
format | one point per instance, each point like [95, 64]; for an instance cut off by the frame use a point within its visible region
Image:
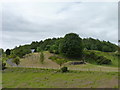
[16, 60]
[51, 51]
[60, 61]
[56, 52]
[41, 57]
[64, 69]
[3, 65]
[53, 58]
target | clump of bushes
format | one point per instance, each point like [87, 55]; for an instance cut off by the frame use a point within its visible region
[42, 57]
[60, 61]
[3, 65]
[16, 60]
[57, 58]
[53, 57]
[64, 69]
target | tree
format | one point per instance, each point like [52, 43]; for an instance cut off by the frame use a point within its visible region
[8, 52]
[60, 61]
[41, 57]
[38, 49]
[3, 65]
[21, 50]
[71, 46]
[16, 60]
[1, 51]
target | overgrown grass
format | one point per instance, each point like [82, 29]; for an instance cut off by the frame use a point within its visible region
[109, 55]
[48, 78]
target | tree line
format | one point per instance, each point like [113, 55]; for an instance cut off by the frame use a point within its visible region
[70, 46]
[53, 45]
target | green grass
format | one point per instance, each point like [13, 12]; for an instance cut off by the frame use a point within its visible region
[48, 78]
[109, 55]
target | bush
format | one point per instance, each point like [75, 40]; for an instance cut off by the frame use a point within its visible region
[53, 58]
[42, 57]
[3, 65]
[64, 69]
[56, 52]
[51, 51]
[16, 60]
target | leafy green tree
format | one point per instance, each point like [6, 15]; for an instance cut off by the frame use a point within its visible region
[71, 46]
[41, 57]
[7, 51]
[60, 61]
[38, 49]
[3, 65]
[21, 51]
[106, 49]
[95, 44]
[16, 60]
[64, 69]
[1, 51]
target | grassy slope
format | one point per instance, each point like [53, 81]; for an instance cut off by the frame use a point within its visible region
[108, 55]
[37, 78]
[33, 61]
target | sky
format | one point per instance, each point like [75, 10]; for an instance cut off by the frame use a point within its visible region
[25, 22]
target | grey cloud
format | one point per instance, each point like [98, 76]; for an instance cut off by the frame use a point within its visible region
[87, 19]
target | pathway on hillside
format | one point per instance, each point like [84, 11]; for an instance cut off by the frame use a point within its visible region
[9, 61]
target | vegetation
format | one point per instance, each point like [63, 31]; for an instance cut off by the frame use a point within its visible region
[60, 61]
[41, 57]
[71, 46]
[95, 44]
[64, 69]
[49, 78]
[57, 54]
[91, 57]
[3, 65]
[16, 60]
[33, 60]
[8, 52]
[21, 50]
[53, 45]
[1, 51]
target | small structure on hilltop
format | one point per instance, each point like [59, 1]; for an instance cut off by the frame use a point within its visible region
[32, 50]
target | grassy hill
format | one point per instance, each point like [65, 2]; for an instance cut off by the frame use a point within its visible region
[31, 75]
[33, 60]
[100, 69]
[108, 55]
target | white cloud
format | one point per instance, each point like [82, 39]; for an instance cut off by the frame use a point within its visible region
[25, 22]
